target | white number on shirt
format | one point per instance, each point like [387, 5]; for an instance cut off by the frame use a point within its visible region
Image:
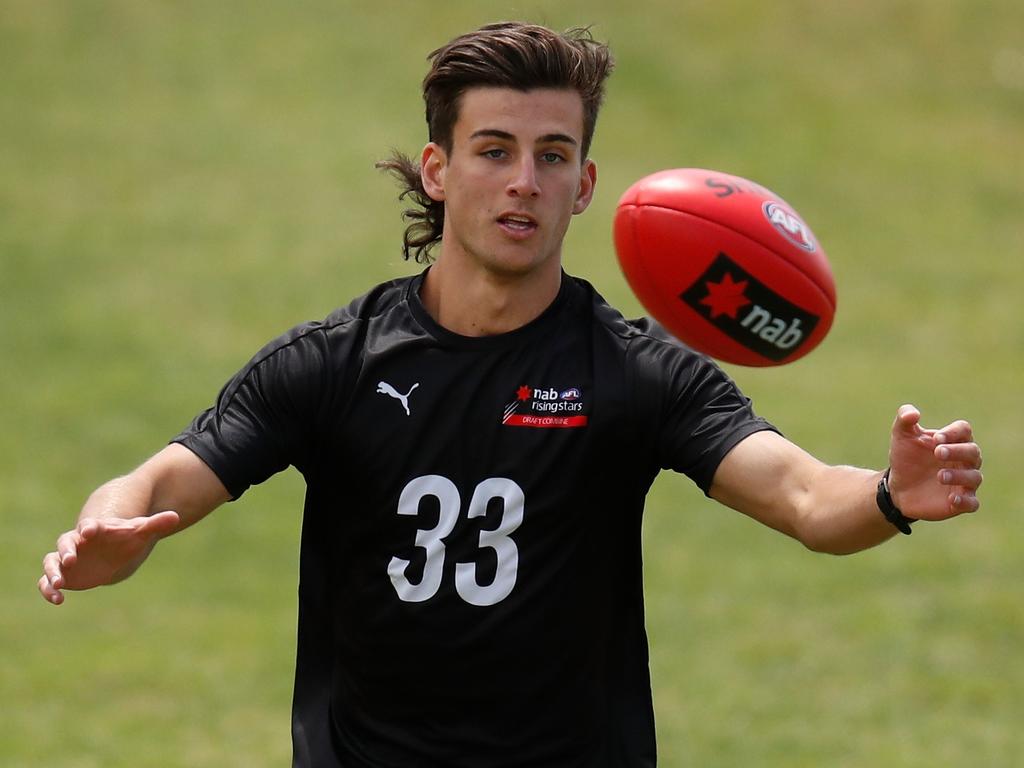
[430, 540]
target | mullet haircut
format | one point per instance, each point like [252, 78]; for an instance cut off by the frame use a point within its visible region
[503, 55]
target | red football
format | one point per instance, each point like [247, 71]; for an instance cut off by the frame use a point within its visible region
[725, 265]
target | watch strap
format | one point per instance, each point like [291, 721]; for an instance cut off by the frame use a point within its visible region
[892, 513]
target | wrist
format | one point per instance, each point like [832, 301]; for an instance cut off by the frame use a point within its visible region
[888, 508]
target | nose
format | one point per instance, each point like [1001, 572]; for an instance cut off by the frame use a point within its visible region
[524, 181]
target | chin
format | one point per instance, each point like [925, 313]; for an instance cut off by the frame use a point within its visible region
[506, 259]
[517, 267]
[520, 259]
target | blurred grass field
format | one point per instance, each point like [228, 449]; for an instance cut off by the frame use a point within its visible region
[179, 182]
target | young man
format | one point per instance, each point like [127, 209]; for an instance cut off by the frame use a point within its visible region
[477, 442]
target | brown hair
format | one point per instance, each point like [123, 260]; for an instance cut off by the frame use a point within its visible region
[503, 55]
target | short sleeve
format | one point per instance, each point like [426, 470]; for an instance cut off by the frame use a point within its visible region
[265, 417]
[697, 412]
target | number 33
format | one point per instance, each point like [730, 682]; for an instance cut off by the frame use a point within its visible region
[466, 584]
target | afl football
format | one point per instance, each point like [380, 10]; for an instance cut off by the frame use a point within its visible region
[725, 265]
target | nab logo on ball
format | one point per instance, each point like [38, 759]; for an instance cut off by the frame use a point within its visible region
[747, 311]
[789, 225]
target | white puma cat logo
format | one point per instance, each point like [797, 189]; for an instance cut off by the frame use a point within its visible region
[383, 388]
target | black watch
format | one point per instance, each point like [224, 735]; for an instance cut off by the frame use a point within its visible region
[889, 509]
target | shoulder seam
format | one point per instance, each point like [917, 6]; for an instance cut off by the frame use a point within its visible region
[319, 325]
[257, 361]
[632, 333]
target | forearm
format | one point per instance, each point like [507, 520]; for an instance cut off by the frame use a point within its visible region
[837, 512]
[122, 498]
[174, 480]
[827, 508]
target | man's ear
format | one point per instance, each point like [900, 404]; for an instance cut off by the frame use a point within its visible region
[588, 180]
[433, 163]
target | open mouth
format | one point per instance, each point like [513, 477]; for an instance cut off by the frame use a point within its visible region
[517, 223]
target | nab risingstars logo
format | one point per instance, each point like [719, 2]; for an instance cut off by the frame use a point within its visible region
[545, 407]
[748, 311]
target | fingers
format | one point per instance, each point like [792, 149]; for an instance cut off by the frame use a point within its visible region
[964, 502]
[66, 555]
[52, 569]
[907, 419]
[961, 460]
[969, 479]
[67, 547]
[161, 523]
[52, 579]
[958, 432]
[118, 535]
[88, 527]
[908, 424]
[965, 483]
[50, 593]
[962, 454]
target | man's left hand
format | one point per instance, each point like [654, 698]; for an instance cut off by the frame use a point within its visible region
[935, 473]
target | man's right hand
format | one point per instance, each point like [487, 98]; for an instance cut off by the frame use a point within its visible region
[123, 519]
[101, 551]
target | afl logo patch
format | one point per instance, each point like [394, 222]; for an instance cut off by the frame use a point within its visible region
[789, 225]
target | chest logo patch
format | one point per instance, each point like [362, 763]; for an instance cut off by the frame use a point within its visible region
[383, 388]
[546, 407]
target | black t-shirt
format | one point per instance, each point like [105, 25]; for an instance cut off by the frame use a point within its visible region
[470, 576]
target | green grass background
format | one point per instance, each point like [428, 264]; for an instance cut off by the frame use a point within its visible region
[180, 181]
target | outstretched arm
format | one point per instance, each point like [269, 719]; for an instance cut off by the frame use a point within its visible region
[934, 476]
[122, 521]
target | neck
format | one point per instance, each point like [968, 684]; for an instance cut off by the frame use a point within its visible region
[483, 303]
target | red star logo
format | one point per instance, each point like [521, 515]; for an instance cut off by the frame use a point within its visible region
[523, 393]
[726, 297]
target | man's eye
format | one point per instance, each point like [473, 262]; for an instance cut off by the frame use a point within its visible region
[551, 157]
[495, 154]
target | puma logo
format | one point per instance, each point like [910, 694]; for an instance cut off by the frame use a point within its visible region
[383, 388]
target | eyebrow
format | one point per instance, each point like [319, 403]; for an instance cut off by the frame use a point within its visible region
[545, 139]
